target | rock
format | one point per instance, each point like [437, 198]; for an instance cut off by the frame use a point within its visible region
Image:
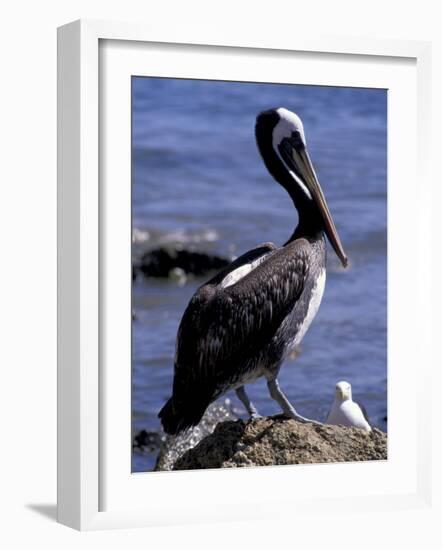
[146, 440]
[277, 441]
[178, 276]
[164, 261]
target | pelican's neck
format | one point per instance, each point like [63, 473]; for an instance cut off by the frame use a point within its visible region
[310, 222]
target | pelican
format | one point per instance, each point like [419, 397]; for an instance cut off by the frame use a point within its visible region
[243, 323]
[345, 411]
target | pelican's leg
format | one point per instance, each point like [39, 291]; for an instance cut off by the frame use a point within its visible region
[244, 398]
[287, 407]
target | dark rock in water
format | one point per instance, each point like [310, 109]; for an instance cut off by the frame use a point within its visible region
[160, 262]
[278, 441]
[145, 439]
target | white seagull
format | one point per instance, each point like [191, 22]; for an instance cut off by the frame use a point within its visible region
[345, 411]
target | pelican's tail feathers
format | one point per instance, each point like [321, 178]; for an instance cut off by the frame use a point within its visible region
[177, 417]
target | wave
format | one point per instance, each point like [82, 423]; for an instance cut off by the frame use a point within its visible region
[157, 237]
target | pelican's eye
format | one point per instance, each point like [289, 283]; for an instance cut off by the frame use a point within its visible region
[296, 140]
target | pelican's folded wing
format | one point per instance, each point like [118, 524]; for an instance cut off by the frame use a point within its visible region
[224, 327]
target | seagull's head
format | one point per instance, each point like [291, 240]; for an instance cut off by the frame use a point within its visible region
[343, 391]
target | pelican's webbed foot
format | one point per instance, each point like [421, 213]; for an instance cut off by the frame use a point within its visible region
[288, 409]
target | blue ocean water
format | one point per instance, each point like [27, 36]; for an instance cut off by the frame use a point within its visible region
[198, 180]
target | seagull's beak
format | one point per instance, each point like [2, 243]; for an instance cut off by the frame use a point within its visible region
[342, 393]
[296, 157]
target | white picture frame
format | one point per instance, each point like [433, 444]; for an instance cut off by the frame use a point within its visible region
[84, 415]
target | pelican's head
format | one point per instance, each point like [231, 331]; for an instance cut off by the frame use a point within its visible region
[289, 123]
[343, 391]
[281, 142]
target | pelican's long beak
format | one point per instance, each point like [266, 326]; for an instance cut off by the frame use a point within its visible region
[298, 161]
